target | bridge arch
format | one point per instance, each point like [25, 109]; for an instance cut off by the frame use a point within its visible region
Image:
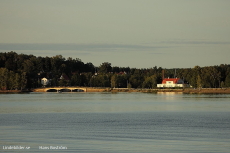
[65, 90]
[77, 90]
[51, 90]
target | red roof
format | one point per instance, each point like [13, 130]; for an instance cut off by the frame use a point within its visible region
[175, 80]
[121, 73]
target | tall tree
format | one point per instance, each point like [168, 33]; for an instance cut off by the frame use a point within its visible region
[150, 82]
[105, 67]
[17, 81]
[75, 80]
[199, 82]
[227, 80]
[23, 80]
[3, 78]
[114, 81]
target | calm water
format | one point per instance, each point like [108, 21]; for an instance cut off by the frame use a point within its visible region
[115, 123]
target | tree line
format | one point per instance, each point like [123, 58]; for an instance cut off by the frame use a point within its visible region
[21, 71]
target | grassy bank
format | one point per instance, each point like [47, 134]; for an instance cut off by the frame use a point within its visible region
[208, 91]
[188, 90]
[12, 91]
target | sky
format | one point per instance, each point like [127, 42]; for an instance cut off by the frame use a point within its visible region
[125, 33]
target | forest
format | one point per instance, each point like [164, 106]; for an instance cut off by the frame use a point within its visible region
[20, 71]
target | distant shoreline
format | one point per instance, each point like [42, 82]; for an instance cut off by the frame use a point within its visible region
[115, 90]
[185, 91]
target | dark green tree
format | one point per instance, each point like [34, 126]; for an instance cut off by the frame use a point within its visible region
[150, 82]
[105, 68]
[75, 80]
[227, 81]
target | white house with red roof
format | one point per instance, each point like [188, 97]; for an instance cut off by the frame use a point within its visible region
[171, 83]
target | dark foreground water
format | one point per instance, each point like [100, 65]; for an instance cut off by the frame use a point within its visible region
[114, 123]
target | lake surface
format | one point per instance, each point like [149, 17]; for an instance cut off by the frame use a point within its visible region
[115, 122]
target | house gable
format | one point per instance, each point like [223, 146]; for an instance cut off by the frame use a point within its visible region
[173, 81]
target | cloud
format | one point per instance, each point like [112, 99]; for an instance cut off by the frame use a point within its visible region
[194, 42]
[66, 46]
[105, 47]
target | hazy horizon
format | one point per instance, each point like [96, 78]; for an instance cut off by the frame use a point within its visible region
[127, 33]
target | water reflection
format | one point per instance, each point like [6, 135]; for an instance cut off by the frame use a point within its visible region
[169, 96]
[107, 102]
[170, 93]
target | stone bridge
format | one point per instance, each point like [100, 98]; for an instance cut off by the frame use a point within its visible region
[61, 89]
